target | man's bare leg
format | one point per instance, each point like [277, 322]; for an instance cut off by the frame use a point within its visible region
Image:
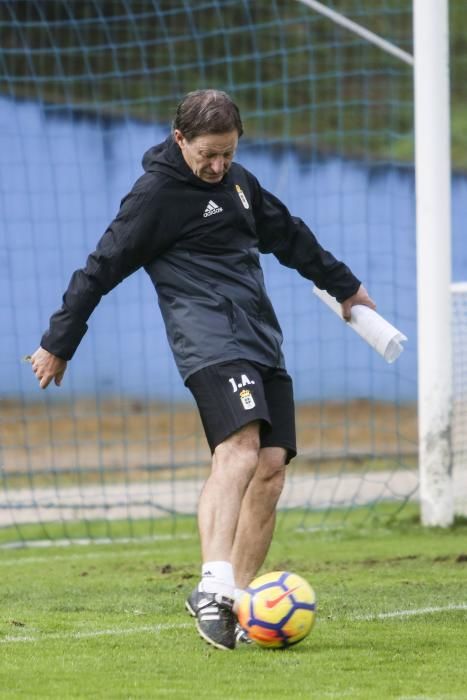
[233, 465]
[258, 515]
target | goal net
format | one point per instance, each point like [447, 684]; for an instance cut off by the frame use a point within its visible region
[85, 89]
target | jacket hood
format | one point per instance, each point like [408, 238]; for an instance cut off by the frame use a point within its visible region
[167, 158]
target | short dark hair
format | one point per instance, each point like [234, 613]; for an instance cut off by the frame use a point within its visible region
[207, 112]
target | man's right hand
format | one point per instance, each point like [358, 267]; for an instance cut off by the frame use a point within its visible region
[47, 367]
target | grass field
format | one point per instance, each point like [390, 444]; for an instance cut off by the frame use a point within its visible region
[107, 621]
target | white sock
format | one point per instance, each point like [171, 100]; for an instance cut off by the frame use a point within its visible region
[217, 577]
[238, 593]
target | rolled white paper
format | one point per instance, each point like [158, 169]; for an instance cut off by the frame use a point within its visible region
[370, 326]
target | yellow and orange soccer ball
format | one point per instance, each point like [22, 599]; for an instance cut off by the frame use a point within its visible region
[277, 609]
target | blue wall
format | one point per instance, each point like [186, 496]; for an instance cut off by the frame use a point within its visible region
[61, 181]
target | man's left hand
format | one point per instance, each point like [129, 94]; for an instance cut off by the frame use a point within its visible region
[362, 297]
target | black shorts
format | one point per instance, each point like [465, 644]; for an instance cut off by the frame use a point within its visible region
[232, 394]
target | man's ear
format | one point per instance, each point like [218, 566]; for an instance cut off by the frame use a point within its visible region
[179, 138]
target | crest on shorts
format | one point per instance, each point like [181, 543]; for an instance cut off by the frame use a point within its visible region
[247, 399]
[241, 194]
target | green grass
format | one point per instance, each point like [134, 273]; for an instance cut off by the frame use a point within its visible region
[107, 621]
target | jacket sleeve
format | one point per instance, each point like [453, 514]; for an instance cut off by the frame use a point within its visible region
[134, 237]
[295, 246]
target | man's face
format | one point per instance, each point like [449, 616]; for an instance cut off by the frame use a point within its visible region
[209, 156]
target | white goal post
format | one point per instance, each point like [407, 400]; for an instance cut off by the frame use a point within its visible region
[459, 413]
[433, 194]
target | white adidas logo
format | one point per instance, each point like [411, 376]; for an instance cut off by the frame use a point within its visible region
[212, 208]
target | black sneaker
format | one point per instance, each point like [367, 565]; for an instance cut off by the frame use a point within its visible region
[216, 621]
[192, 604]
[241, 635]
[193, 600]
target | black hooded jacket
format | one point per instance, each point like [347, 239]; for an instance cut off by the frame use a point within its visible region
[200, 245]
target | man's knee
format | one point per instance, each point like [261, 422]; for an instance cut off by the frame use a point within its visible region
[240, 451]
[271, 470]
